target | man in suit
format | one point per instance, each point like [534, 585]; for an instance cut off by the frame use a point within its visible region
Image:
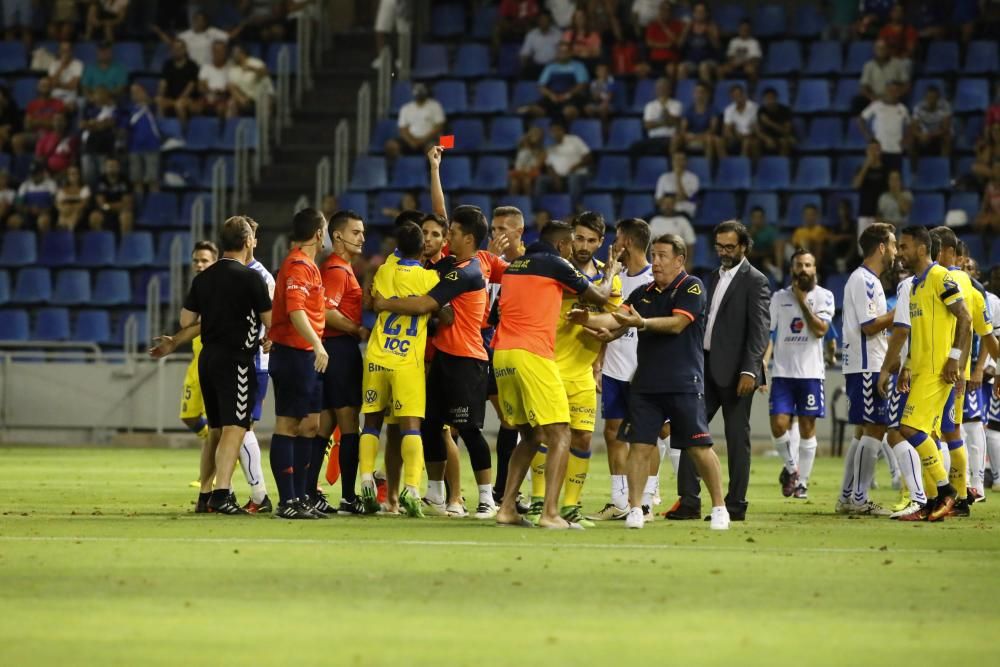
[735, 340]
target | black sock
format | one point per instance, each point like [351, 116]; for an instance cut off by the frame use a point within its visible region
[283, 465]
[220, 495]
[506, 442]
[349, 452]
[316, 463]
[303, 458]
[203, 497]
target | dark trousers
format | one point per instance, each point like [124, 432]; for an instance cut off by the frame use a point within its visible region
[736, 414]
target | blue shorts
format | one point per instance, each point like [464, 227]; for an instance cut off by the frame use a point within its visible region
[994, 412]
[798, 397]
[949, 423]
[342, 379]
[897, 401]
[614, 398]
[864, 404]
[648, 412]
[976, 404]
[298, 388]
[258, 399]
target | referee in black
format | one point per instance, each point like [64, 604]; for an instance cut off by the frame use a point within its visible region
[232, 304]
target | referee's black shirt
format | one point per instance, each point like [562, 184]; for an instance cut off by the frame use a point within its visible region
[230, 298]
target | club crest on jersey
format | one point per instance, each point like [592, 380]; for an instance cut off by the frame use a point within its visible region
[797, 325]
[451, 275]
[694, 289]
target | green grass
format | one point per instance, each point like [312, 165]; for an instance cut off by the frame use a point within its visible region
[102, 563]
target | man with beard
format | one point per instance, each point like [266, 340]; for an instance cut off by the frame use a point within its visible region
[800, 317]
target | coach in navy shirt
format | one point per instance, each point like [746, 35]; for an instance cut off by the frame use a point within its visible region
[669, 383]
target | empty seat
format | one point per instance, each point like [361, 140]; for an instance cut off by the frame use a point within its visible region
[525, 94]
[645, 92]
[354, 201]
[456, 173]
[701, 168]
[812, 96]
[72, 288]
[136, 249]
[479, 199]
[825, 58]
[20, 248]
[589, 130]
[600, 203]
[402, 92]
[410, 172]
[942, 58]
[847, 167]
[928, 209]
[489, 96]
[96, 249]
[716, 207]
[824, 134]
[13, 57]
[4, 288]
[491, 174]
[159, 209]
[452, 95]
[431, 61]
[52, 324]
[854, 140]
[558, 205]
[623, 133]
[613, 173]
[505, 132]
[14, 325]
[770, 21]
[484, 21]
[971, 95]
[129, 55]
[227, 140]
[813, 173]
[472, 61]
[965, 201]
[796, 204]
[844, 95]
[58, 248]
[734, 174]
[33, 286]
[765, 200]
[469, 135]
[729, 16]
[981, 58]
[142, 327]
[202, 133]
[858, 53]
[142, 287]
[384, 130]
[164, 248]
[369, 173]
[520, 202]
[637, 206]
[647, 171]
[228, 175]
[447, 20]
[92, 326]
[783, 57]
[509, 60]
[808, 21]
[933, 173]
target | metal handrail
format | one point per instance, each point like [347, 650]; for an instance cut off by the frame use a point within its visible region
[130, 335]
[198, 219]
[284, 118]
[322, 181]
[300, 203]
[241, 193]
[262, 158]
[177, 266]
[56, 345]
[218, 196]
[154, 310]
[364, 120]
[280, 247]
[383, 82]
[341, 156]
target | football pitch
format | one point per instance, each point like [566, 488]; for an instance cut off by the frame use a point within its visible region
[102, 562]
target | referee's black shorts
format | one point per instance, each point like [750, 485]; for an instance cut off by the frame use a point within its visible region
[298, 388]
[456, 390]
[228, 386]
[342, 379]
[647, 413]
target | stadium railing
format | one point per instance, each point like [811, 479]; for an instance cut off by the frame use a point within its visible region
[363, 128]
[154, 309]
[383, 85]
[219, 190]
[178, 272]
[322, 181]
[341, 158]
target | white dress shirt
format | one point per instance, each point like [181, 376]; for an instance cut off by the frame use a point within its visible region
[725, 278]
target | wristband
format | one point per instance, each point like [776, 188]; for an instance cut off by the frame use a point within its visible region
[955, 354]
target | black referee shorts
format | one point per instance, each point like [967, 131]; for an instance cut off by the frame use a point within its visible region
[342, 380]
[686, 413]
[228, 386]
[298, 388]
[456, 389]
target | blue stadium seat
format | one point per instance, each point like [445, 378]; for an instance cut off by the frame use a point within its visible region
[645, 91]
[188, 203]
[824, 133]
[161, 54]
[933, 173]
[135, 250]
[637, 206]
[716, 207]
[588, 129]
[525, 94]
[159, 209]
[920, 87]
[14, 325]
[368, 174]
[942, 58]
[813, 173]
[647, 171]
[704, 257]
[52, 324]
[836, 284]
[847, 167]
[558, 205]
[170, 128]
[981, 58]
[484, 22]
[701, 168]
[118, 337]
[469, 135]
[783, 57]
[780, 87]
[384, 130]
[808, 21]
[431, 61]
[230, 170]
[456, 173]
[491, 173]
[96, 249]
[684, 92]
[728, 17]
[844, 95]
[858, 53]
[854, 141]
[274, 53]
[72, 288]
[623, 133]
[202, 133]
[825, 57]
[977, 249]
[971, 95]
[13, 57]
[452, 95]
[129, 55]
[20, 248]
[447, 20]
[505, 132]
[33, 286]
[832, 203]
[965, 201]
[409, 173]
[733, 174]
[402, 92]
[613, 173]
[928, 209]
[770, 21]
[141, 292]
[227, 140]
[600, 203]
[165, 243]
[489, 96]
[480, 199]
[25, 89]
[509, 60]
[4, 288]
[185, 165]
[968, 132]
[796, 203]
[472, 61]
[520, 202]
[354, 201]
[812, 96]
[766, 200]
[58, 249]
[385, 199]
[92, 326]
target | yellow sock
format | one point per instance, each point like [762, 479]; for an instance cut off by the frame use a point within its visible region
[413, 458]
[576, 475]
[367, 453]
[205, 433]
[930, 459]
[957, 475]
[538, 474]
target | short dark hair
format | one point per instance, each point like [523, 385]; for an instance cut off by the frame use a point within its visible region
[920, 234]
[933, 89]
[736, 227]
[508, 212]
[799, 252]
[770, 91]
[675, 242]
[592, 220]
[306, 223]
[341, 217]
[434, 217]
[408, 215]
[552, 232]
[756, 208]
[253, 224]
[963, 249]
[874, 236]
[946, 236]
[557, 123]
[206, 245]
[736, 86]
[409, 240]
[235, 233]
[635, 229]
[472, 221]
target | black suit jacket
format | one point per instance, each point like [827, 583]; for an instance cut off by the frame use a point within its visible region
[742, 327]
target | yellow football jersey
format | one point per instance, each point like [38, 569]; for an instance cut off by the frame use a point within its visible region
[398, 341]
[196, 347]
[576, 350]
[932, 332]
[976, 304]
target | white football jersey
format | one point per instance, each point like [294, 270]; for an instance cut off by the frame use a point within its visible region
[620, 357]
[864, 300]
[902, 316]
[797, 352]
[263, 358]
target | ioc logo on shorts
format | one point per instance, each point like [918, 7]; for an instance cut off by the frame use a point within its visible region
[370, 396]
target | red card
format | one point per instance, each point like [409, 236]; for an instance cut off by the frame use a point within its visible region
[447, 141]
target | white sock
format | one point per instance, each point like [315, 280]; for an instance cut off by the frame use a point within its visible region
[911, 470]
[993, 449]
[945, 454]
[650, 490]
[663, 445]
[794, 442]
[782, 446]
[974, 434]
[886, 451]
[250, 462]
[847, 486]
[435, 491]
[486, 494]
[619, 491]
[675, 459]
[864, 467]
[807, 456]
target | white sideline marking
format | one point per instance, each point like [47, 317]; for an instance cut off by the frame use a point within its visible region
[491, 545]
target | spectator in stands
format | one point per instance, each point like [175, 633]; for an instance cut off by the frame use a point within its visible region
[584, 41]
[63, 20]
[567, 162]
[661, 118]
[17, 18]
[200, 38]
[874, 14]
[890, 125]
[420, 123]
[407, 202]
[266, 20]
[10, 118]
[964, 15]
[528, 163]
[700, 45]
[144, 140]
[671, 221]
[178, 88]
[562, 12]
[877, 74]
[600, 102]
[931, 128]
[993, 111]
[98, 126]
[774, 125]
[540, 46]
[743, 55]
[72, 199]
[114, 200]
[65, 73]
[739, 123]
[663, 41]
[105, 16]
[699, 129]
[391, 16]
[842, 245]
[899, 37]
[604, 17]
[539, 220]
[56, 148]
[768, 250]
[811, 235]
[988, 220]
[213, 83]
[7, 196]
[38, 115]
[894, 204]
[645, 12]
[516, 18]
[680, 183]
[987, 152]
[248, 80]
[842, 21]
[563, 86]
[35, 198]
[105, 73]
[871, 181]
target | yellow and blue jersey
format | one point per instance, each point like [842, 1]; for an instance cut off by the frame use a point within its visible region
[576, 350]
[398, 341]
[932, 326]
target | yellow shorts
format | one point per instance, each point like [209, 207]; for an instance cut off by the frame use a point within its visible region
[926, 402]
[192, 405]
[529, 389]
[399, 392]
[581, 393]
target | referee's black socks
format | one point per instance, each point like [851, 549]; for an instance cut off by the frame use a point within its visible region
[303, 458]
[506, 443]
[283, 465]
[349, 453]
[315, 463]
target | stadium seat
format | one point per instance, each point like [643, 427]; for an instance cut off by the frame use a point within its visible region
[967, 133]
[812, 173]
[588, 129]
[977, 248]
[386, 199]
[25, 89]
[728, 17]
[847, 167]
[797, 202]
[509, 60]
[928, 209]
[484, 22]
[72, 288]
[525, 94]
[52, 324]
[491, 174]
[965, 201]
[489, 96]
[981, 58]
[20, 248]
[520, 202]
[185, 165]
[637, 206]
[825, 57]
[384, 130]
[447, 20]
[13, 57]
[647, 171]
[832, 203]
[469, 135]
[96, 249]
[858, 53]
[141, 292]
[505, 132]
[854, 141]
[773, 173]
[701, 168]
[645, 91]
[207, 176]
[227, 140]
[456, 173]
[844, 95]
[808, 21]
[130, 55]
[920, 87]
[684, 92]
[452, 95]
[770, 21]
[971, 96]
[402, 92]
[135, 250]
[14, 325]
[164, 247]
[720, 98]
[623, 133]
[33, 286]
[354, 201]
[368, 174]
[704, 252]
[766, 200]
[472, 61]
[479, 199]
[714, 207]
[202, 133]
[780, 87]
[159, 209]
[812, 96]
[273, 55]
[783, 57]
[824, 134]
[733, 174]
[601, 203]
[161, 54]
[4, 288]
[933, 173]
[118, 337]
[92, 326]
[613, 173]
[431, 61]
[58, 249]
[942, 58]
[558, 205]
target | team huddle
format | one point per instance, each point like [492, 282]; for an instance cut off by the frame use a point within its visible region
[536, 331]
